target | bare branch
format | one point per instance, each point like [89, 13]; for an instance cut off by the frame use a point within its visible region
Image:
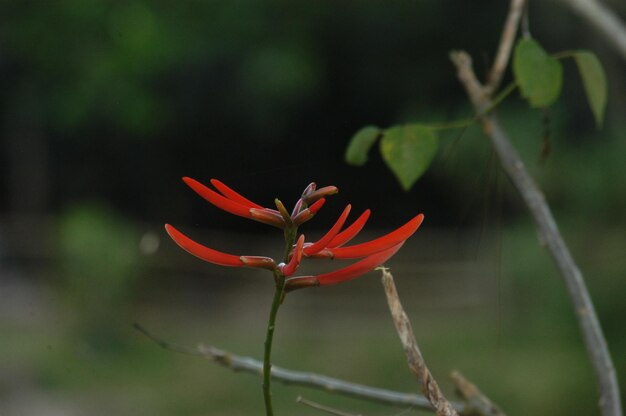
[417, 365]
[250, 365]
[329, 384]
[474, 398]
[604, 20]
[506, 45]
[511, 162]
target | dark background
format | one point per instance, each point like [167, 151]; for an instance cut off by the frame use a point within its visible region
[107, 104]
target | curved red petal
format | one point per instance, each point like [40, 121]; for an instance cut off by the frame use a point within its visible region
[233, 195]
[218, 200]
[202, 252]
[350, 232]
[332, 233]
[308, 213]
[290, 268]
[317, 205]
[359, 268]
[365, 249]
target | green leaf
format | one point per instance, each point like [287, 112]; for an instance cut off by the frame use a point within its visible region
[408, 151]
[594, 81]
[360, 144]
[539, 76]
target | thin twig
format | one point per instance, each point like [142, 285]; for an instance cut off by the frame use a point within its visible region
[323, 408]
[550, 237]
[506, 44]
[417, 365]
[318, 381]
[250, 365]
[475, 399]
[329, 384]
[604, 20]
[164, 344]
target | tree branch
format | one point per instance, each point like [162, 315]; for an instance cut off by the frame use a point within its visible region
[250, 365]
[329, 384]
[506, 45]
[604, 20]
[417, 365]
[549, 235]
[474, 398]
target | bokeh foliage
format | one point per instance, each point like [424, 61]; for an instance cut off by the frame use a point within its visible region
[124, 97]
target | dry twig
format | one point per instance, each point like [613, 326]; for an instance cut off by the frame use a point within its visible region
[477, 402]
[250, 365]
[506, 44]
[312, 380]
[417, 365]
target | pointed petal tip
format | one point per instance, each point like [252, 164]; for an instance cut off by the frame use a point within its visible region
[330, 235]
[397, 236]
[351, 231]
[359, 268]
[202, 252]
[291, 267]
[169, 229]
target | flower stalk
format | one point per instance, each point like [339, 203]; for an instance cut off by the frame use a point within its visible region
[279, 293]
[330, 246]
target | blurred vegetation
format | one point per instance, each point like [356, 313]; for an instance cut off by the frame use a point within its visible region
[114, 101]
[99, 260]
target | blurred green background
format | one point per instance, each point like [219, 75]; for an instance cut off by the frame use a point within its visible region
[106, 104]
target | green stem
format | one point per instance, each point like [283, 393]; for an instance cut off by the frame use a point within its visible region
[505, 92]
[279, 294]
[466, 122]
[564, 54]
[269, 336]
[456, 124]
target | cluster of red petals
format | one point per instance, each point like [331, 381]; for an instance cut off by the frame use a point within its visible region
[330, 246]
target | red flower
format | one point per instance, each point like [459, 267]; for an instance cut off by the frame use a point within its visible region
[331, 245]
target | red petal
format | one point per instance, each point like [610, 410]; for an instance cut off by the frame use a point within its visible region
[365, 249]
[218, 200]
[308, 213]
[293, 264]
[202, 252]
[327, 238]
[359, 268]
[231, 194]
[317, 205]
[350, 232]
